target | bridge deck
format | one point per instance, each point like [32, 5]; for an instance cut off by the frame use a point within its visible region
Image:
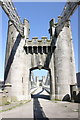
[41, 107]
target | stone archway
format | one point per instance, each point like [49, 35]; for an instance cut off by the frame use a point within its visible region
[44, 78]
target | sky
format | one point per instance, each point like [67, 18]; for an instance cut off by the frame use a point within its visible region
[38, 14]
[40, 73]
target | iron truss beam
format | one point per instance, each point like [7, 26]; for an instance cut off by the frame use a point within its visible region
[11, 12]
[68, 10]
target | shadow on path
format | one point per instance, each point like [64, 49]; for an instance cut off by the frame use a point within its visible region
[38, 111]
[39, 95]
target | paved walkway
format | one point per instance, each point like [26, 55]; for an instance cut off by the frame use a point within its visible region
[24, 111]
[54, 109]
[41, 107]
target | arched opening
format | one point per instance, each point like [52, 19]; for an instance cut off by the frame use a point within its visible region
[40, 79]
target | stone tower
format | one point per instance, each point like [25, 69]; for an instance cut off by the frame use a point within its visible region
[17, 63]
[64, 62]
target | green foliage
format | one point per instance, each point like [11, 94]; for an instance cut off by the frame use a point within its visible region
[7, 103]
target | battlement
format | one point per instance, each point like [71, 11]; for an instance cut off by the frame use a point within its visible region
[44, 41]
[36, 45]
